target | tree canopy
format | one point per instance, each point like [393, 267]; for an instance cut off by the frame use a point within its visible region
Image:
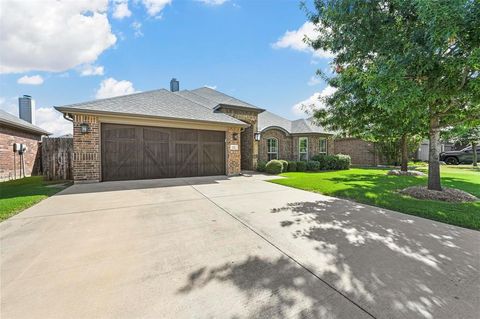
[401, 66]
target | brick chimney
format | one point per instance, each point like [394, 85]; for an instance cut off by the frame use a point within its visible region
[174, 85]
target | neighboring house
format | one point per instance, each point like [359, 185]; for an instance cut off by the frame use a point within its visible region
[199, 132]
[15, 130]
[422, 152]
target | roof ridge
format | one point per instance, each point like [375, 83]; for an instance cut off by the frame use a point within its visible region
[189, 91]
[116, 97]
[231, 97]
[213, 110]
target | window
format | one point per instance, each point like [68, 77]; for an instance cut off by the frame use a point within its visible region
[322, 146]
[303, 148]
[272, 148]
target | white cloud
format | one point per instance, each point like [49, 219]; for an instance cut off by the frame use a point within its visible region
[213, 2]
[154, 7]
[51, 35]
[137, 27]
[296, 40]
[31, 80]
[88, 70]
[314, 102]
[111, 87]
[120, 9]
[314, 80]
[9, 105]
[213, 87]
[51, 120]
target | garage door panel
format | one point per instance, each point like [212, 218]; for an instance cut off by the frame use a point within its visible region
[186, 159]
[212, 157]
[135, 152]
[157, 163]
[120, 158]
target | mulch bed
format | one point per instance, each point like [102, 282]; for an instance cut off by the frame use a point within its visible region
[446, 195]
[397, 172]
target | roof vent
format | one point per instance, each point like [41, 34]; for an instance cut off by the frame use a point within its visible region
[174, 85]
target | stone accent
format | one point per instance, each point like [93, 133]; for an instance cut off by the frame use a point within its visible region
[249, 148]
[32, 156]
[233, 156]
[86, 150]
[361, 152]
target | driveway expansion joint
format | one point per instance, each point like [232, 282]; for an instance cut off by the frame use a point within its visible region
[256, 232]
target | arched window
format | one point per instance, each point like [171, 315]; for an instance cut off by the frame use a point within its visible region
[272, 148]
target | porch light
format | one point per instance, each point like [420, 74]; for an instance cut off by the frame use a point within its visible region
[256, 136]
[235, 136]
[84, 128]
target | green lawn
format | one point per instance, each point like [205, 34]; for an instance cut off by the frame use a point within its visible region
[374, 187]
[20, 194]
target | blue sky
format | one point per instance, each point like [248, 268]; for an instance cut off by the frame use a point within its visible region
[252, 50]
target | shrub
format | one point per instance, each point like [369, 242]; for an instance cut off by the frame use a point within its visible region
[333, 162]
[292, 166]
[301, 166]
[274, 167]
[343, 161]
[261, 166]
[284, 166]
[313, 165]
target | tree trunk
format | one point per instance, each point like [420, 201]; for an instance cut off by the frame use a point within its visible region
[434, 155]
[404, 146]
[474, 150]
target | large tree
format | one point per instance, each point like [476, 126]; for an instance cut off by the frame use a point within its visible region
[349, 110]
[414, 59]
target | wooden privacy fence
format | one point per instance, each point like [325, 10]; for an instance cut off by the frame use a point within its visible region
[57, 153]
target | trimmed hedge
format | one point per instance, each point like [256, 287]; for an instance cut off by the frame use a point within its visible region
[301, 166]
[292, 166]
[313, 166]
[333, 162]
[284, 165]
[261, 165]
[274, 167]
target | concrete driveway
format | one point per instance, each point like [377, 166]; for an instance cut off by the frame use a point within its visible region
[237, 247]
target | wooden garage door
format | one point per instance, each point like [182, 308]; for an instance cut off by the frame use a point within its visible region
[139, 152]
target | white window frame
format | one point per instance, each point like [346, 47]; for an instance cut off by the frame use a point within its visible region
[269, 152]
[320, 146]
[300, 149]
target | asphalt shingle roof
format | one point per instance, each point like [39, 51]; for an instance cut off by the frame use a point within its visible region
[158, 103]
[13, 121]
[222, 98]
[199, 104]
[301, 126]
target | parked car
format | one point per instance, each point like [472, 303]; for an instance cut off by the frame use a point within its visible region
[464, 156]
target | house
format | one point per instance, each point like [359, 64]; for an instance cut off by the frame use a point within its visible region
[179, 133]
[15, 130]
[422, 153]
[295, 140]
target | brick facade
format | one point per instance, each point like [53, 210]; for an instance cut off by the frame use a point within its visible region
[284, 144]
[361, 152]
[32, 156]
[86, 150]
[288, 144]
[249, 147]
